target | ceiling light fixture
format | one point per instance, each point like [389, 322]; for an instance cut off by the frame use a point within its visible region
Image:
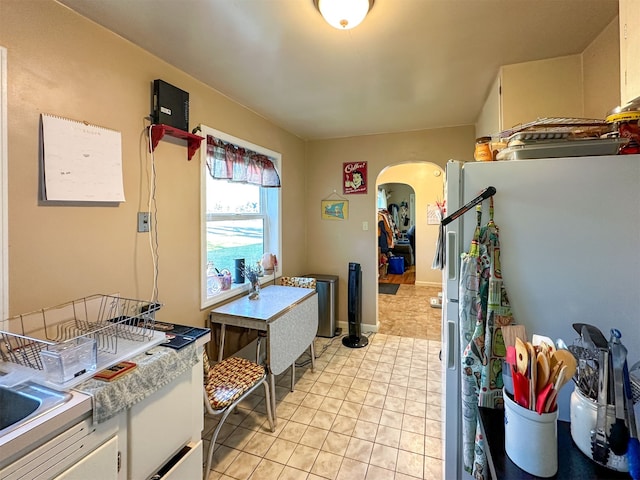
[343, 14]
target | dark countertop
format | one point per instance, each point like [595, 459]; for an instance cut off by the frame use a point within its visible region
[572, 463]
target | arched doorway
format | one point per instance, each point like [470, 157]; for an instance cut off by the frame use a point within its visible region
[411, 304]
[396, 231]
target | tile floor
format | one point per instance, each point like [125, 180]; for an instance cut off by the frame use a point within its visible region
[371, 413]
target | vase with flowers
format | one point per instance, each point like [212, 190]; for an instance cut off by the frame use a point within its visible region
[253, 273]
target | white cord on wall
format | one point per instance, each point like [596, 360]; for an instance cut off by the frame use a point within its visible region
[152, 208]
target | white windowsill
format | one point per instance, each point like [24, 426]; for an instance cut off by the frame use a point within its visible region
[237, 290]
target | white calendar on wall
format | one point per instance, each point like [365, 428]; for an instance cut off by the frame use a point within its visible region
[82, 162]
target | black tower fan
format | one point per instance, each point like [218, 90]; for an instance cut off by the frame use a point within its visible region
[354, 309]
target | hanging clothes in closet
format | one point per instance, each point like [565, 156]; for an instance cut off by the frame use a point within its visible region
[484, 308]
[404, 215]
[394, 212]
[386, 238]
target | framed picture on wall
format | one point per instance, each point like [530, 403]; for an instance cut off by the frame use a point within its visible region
[354, 177]
[335, 209]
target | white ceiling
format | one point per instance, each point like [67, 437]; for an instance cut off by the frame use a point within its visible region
[412, 64]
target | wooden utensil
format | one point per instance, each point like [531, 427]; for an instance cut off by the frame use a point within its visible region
[552, 380]
[522, 356]
[545, 343]
[554, 372]
[532, 374]
[567, 359]
[511, 332]
[543, 371]
[561, 379]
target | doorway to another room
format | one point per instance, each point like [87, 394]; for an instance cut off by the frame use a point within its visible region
[407, 238]
[396, 233]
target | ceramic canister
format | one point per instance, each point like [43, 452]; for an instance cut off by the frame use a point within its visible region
[531, 440]
[584, 413]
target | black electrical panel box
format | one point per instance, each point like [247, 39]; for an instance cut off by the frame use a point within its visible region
[170, 105]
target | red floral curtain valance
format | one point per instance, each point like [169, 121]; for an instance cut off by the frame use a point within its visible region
[230, 162]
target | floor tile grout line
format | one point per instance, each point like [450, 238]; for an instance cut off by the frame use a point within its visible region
[396, 344]
[399, 449]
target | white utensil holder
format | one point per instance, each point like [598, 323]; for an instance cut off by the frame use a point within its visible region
[531, 440]
[584, 413]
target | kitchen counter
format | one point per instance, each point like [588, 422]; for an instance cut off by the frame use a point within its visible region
[160, 372]
[154, 369]
[572, 463]
[40, 429]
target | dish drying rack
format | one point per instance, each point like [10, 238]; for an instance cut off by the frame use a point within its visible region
[62, 346]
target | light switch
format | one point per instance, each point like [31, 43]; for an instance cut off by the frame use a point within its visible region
[365, 226]
[143, 221]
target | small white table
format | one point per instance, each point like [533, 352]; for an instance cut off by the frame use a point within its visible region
[289, 315]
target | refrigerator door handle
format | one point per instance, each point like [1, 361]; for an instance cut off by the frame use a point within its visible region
[451, 345]
[484, 194]
[452, 255]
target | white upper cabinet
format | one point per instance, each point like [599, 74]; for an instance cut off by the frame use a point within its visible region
[524, 92]
[629, 50]
[580, 85]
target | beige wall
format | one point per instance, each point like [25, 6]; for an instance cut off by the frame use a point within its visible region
[545, 88]
[601, 72]
[63, 64]
[333, 244]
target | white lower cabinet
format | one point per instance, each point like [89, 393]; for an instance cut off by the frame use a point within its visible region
[157, 438]
[185, 465]
[160, 437]
[74, 447]
[159, 427]
[102, 463]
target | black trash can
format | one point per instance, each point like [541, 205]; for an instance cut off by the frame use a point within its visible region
[327, 288]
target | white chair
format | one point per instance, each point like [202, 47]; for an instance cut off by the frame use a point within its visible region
[226, 384]
[301, 282]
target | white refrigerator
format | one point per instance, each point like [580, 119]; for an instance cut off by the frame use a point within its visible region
[570, 253]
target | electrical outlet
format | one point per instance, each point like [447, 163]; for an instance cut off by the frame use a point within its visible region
[143, 221]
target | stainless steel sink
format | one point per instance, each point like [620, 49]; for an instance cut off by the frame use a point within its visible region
[26, 401]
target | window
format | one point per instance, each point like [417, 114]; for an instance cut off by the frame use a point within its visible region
[240, 220]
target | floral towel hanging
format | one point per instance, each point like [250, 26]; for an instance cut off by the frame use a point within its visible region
[483, 309]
